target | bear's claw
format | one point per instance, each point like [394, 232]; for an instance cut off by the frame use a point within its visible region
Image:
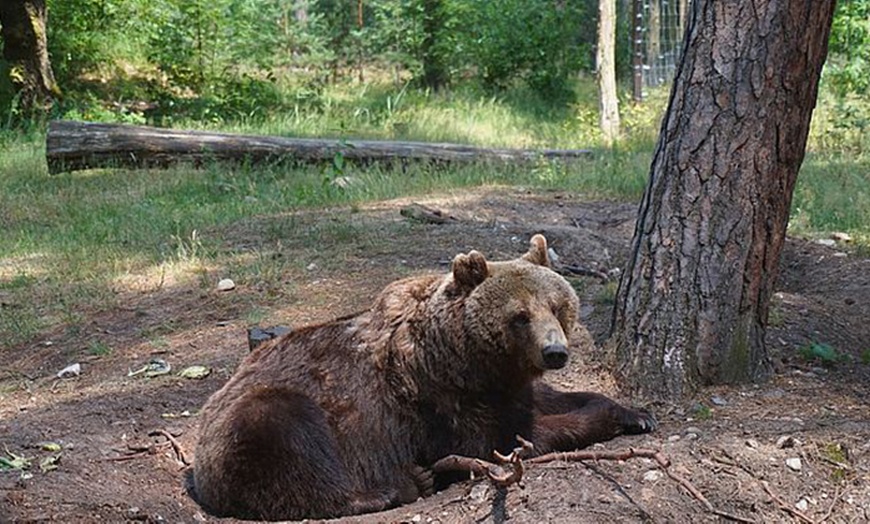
[639, 421]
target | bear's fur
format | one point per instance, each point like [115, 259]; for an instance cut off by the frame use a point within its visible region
[345, 417]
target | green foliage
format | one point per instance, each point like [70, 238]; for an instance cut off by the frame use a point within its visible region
[536, 41]
[822, 353]
[848, 68]
[99, 349]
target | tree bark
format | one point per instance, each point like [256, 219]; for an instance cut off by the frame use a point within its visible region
[22, 28]
[692, 305]
[80, 145]
[606, 58]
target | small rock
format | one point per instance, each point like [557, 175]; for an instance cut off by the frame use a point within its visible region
[652, 475]
[774, 393]
[479, 492]
[195, 372]
[785, 441]
[73, 370]
[718, 401]
[257, 335]
[226, 284]
[827, 242]
[752, 443]
[554, 257]
[417, 518]
[311, 267]
[673, 438]
[839, 236]
[802, 504]
[794, 463]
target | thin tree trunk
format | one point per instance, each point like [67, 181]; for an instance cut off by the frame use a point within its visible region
[606, 58]
[654, 33]
[692, 305]
[22, 28]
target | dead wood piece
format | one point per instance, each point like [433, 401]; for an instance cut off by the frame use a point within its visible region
[84, 145]
[425, 214]
[662, 461]
[783, 505]
[577, 456]
[609, 478]
[176, 446]
[481, 467]
[584, 272]
[494, 472]
[515, 460]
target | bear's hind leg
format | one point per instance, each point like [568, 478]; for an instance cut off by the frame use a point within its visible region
[271, 456]
[565, 421]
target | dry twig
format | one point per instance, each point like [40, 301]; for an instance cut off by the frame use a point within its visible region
[783, 505]
[480, 467]
[830, 512]
[179, 451]
[577, 456]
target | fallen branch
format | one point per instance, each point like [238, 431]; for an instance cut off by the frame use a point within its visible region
[578, 456]
[583, 271]
[830, 512]
[494, 472]
[135, 452]
[83, 145]
[179, 451]
[783, 505]
[425, 214]
[643, 512]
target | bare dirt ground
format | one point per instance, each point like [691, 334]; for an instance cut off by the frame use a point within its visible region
[724, 443]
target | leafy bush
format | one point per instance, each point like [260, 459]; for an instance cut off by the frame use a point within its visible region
[848, 67]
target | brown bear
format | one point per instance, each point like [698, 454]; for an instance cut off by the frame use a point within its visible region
[345, 417]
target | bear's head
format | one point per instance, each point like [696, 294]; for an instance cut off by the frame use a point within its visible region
[520, 309]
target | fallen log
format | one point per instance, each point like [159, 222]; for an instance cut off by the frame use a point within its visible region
[72, 146]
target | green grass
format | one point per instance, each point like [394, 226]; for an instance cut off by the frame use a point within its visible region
[70, 241]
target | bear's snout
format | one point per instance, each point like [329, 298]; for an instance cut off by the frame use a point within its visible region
[555, 356]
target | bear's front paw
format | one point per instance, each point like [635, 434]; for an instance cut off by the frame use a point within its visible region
[424, 479]
[637, 421]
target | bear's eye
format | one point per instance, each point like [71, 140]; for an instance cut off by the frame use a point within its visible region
[521, 318]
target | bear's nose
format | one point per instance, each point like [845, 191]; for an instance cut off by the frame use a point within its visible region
[555, 356]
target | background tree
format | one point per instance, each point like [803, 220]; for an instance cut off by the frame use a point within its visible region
[22, 29]
[609, 103]
[692, 305]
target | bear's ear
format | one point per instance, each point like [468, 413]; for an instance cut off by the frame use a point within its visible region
[469, 270]
[537, 253]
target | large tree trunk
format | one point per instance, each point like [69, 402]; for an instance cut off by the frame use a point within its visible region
[81, 145]
[692, 305]
[24, 48]
[606, 58]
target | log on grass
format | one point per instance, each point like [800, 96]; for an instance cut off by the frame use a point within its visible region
[80, 145]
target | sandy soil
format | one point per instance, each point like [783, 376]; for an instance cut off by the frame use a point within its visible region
[723, 443]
